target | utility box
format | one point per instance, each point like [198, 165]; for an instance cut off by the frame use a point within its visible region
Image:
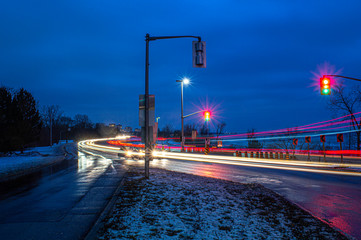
[151, 102]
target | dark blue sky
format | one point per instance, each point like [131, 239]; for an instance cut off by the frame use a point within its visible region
[88, 57]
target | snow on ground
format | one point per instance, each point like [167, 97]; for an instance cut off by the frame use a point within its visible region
[172, 205]
[33, 158]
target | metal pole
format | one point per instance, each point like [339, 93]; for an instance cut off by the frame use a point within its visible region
[308, 149]
[182, 141]
[341, 152]
[146, 96]
[51, 129]
[356, 79]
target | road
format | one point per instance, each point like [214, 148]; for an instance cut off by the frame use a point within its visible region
[60, 202]
[331, 194]
[64, 201]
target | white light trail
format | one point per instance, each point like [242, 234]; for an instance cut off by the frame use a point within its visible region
[240, 161]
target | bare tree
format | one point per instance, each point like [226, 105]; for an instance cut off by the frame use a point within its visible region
[204, 129]
[51, 115]
[252, 141]
[188, 128]
[167, 130]
[82, 121]
[220, 128]
[347, 102]
[285, 141]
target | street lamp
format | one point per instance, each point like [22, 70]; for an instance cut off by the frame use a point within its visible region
[183, 81]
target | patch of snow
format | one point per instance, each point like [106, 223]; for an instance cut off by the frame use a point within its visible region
[30, 159]
[172, 205]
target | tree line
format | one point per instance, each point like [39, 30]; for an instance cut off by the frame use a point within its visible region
[24, 124]
[20, 121]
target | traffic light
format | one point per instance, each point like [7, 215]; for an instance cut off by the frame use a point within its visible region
[199, 54]
[207, 116]
[325, 85]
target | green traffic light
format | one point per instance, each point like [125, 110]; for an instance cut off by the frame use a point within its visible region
[326, 91]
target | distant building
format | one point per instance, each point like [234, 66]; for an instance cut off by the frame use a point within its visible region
[119, 128]
[128, 129]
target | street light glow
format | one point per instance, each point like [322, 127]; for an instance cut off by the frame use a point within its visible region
[186, 81]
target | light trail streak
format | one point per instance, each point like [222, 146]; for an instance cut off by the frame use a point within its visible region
[287, 137]
[285, 130]
[268, 166]
[274, 164]
[314, 153]
[254, 160]
[288, 131]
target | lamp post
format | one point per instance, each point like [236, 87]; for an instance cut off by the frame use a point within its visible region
[183, 81]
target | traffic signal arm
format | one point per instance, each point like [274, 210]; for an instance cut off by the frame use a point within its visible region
[356, 79]
[193, 113]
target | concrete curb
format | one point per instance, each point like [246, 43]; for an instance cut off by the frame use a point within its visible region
[93, 232]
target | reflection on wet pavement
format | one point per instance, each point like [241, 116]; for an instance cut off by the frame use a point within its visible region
[48, 194]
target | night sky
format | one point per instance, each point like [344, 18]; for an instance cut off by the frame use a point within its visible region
[88, 57]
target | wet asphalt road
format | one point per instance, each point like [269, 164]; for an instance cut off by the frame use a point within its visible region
[60, 202]
[63, 202]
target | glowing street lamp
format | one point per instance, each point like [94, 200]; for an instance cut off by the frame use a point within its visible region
[183, 81]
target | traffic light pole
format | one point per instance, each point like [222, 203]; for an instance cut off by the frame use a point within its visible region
[147, 143]
[146, 119]
[356, 79]
[182, 141]
[192, 114]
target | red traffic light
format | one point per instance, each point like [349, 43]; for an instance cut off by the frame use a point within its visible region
[325, 85]
[207, 115]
